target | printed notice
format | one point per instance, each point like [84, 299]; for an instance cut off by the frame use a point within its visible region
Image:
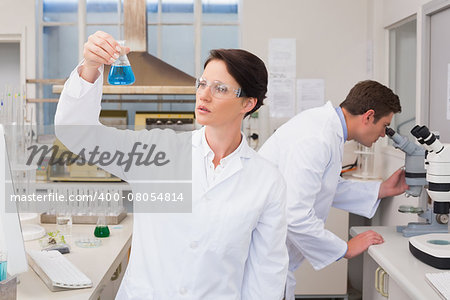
[282, 58]
[282, 72]
[281, 97]
[310, 93]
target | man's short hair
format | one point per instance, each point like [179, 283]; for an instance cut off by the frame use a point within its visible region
[369, 94]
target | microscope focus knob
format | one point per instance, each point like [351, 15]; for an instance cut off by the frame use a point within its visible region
[442, 218]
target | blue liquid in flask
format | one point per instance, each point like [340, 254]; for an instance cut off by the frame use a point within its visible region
[121, 75]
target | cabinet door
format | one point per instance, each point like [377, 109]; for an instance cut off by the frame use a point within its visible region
[395, 292]
[117, 277]
[110, 287]
[369, 270]
[106, 293]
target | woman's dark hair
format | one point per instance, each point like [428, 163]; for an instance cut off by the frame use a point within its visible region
[369, 94]
[247, 69]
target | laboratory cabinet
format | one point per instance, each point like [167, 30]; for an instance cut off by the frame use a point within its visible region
[390, 271]
[377, 284]
[108, 288]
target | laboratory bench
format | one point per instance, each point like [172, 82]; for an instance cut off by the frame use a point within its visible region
[104, 265]
[400, 275]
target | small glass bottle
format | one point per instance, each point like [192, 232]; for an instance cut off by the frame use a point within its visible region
[101, 230]
[64, 225]
[121, 72]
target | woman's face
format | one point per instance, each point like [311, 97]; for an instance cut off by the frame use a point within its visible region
[216, 101]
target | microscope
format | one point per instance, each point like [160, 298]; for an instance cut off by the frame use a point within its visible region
[436, 219]
[429, 242]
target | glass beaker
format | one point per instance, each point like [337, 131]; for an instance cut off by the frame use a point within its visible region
[121, 72]
[101, 230]
[366, 160]
[64, 226]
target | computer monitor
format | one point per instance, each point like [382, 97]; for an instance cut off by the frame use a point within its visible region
[10, 230]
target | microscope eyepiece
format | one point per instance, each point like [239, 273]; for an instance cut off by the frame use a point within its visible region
[389, 131]
[420, 132]
[424, 136]
[424, 132]
[415, 130]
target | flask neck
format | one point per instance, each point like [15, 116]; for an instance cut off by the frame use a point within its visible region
[122, 61]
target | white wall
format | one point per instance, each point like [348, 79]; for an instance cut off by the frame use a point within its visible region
[17, 18]
[331, 41]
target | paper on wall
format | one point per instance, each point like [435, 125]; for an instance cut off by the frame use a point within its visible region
[282, 72]
[310, 93]
[281, 97]
[282, 58]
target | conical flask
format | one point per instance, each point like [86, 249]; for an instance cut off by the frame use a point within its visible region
[101, 230]
[121, 72]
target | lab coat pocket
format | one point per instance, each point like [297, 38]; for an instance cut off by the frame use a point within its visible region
[235, 230]
[131, 290]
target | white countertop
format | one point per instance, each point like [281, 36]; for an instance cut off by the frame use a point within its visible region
[98, 263]
[396, 259]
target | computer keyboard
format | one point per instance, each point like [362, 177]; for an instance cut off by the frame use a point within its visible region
[440, 282]
[57, 272]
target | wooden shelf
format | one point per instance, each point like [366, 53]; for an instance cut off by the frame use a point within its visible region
[140, 90]
[55, 100]
[46, 81]
[42, 100]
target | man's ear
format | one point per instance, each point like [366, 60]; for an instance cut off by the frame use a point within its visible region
[249, 104]
[368, 116]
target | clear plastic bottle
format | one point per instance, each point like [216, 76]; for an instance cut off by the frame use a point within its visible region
[121, 72]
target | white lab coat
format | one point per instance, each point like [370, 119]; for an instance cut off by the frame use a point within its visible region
[232, 245]
[308, 150]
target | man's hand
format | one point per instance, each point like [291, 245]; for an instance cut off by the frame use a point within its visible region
[394, 185]
[361, 242]
[100, 49]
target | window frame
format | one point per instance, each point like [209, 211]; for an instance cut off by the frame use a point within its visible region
[82, 24]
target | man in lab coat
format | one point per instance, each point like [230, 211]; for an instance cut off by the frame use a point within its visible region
[308, 150]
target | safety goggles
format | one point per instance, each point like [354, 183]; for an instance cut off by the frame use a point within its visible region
[219, 89]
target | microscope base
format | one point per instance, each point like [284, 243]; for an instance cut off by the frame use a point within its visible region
[413, 229]
[432, 249]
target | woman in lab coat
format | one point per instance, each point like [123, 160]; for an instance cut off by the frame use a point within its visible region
[232, 245]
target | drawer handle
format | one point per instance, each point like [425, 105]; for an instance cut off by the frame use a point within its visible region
[117, 273]
[377, 279]
[382, 281]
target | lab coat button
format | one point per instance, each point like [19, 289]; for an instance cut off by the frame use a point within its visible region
[183, 291]
[194, 245]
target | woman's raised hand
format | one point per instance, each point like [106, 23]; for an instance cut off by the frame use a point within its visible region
[100, 49]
